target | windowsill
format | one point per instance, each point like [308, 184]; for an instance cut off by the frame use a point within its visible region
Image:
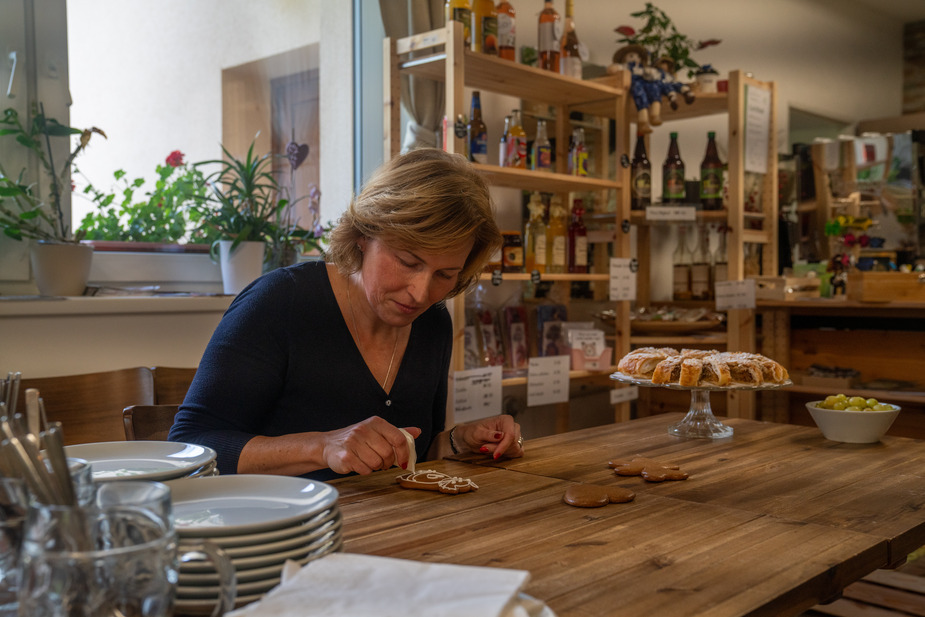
[33, 306]
[113, 246]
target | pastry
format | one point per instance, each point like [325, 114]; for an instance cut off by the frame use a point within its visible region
[650, 470]
[643, 361]
[594, 496]
[701, 367]
[430, 480]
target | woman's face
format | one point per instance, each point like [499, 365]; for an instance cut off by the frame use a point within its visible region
[402, 284]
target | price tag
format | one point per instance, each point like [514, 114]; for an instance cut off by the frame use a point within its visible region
[671, 213]
[735, 295]
[547, 380]
[476, 393]
[622, 279]
[623, 395]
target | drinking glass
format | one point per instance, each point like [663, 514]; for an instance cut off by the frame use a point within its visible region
[117, 557]
[13, 504]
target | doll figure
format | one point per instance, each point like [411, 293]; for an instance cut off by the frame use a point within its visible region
[632, 58]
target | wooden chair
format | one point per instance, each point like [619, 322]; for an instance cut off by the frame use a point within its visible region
[171, 384]
[88, 405]
[148, 422]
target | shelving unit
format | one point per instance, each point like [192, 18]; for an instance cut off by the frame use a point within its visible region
[440, 55]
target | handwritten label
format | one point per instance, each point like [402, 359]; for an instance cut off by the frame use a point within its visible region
[671, 213]
[624, 395]
[476, 393]
[757, 128]
[622, 279]
[735, 294]
[547, 380]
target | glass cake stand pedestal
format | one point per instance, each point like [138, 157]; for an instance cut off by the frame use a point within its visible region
[699, 423]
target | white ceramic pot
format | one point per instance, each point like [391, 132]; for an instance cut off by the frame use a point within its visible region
[241, 266]
[61, 269]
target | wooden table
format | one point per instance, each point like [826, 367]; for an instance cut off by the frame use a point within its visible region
[770, 522]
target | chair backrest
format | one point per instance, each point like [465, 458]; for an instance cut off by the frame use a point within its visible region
[89, 405]
[148, 422]
[171, 384]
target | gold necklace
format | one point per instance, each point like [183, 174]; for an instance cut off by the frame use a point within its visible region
[353, 318]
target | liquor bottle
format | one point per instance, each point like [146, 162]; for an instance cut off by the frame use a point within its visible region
[502, 149]
[569, 55]
[673, 174]
[542, 149]
[711, 177]
[516, 147]
[535, 236]
[485, 27]
[477, 131]
[578, 154]
[641, 177]
[556, 237]
[507, 31]
[720, 259]
[701, 284]
[461, 11]
[512, 252]
[550, 29]
[681, 268]
[577, 241]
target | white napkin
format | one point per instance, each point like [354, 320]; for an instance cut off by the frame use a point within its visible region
[350, 585]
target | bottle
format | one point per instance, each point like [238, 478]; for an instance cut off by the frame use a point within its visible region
[701, 284]
[640, 177]
[516, 146]
[542, 149]
[461, 11]
[720, 260]
[550, 29]
[512, 252]
[711, 177]
[569, 55]
[502, 149]
[477, 131]
[681, 269]
[535, 236]
[556, 237]
[485, 27]
[577, 241]
[673, 174]
[507, 31]
[578, 154]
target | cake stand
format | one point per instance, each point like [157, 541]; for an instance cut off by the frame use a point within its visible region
[699, 423]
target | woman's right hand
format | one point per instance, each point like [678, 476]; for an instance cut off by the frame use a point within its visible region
[367, 446]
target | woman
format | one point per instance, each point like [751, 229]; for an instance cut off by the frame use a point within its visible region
[314, 368]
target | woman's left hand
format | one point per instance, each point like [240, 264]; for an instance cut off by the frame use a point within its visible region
[497, 436]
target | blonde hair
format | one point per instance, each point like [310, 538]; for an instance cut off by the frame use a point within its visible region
[424, 200]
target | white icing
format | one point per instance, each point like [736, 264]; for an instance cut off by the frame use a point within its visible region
[412, 455]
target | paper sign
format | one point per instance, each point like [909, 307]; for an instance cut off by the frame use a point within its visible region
[622, 279]
[671, 213]
[476, 393]
[735, 294]
[757, 128]
[547, 380]
[623, 395]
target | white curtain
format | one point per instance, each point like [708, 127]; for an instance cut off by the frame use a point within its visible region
[422, 99]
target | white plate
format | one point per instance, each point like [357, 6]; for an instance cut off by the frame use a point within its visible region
[242, 504]
[261, 561]
[141, 460]
[243, 589]
[267, 537]
[205, 607]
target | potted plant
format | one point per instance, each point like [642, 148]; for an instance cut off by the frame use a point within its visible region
[60, 263]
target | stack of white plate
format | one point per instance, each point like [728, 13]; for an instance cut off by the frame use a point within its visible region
[145, 460]
[260, 522]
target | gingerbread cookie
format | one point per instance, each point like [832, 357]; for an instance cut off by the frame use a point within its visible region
[594, 496]
[430, 480]
[650, 470]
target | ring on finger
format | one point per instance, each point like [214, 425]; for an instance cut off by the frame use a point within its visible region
[520, 442]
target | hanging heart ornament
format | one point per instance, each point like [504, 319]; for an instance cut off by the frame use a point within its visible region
[296, 153]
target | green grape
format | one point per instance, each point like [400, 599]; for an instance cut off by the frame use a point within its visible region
[857, 401]
[828, 402]
[882, 407]
[839, 405]
[871, 402]
[853, 408]
[841, 397]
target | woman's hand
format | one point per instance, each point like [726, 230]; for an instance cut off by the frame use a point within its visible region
[367, 446]
[498, 436]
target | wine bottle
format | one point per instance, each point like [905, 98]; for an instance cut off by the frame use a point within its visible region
[641, 177]
[701, 285]
[485, 27]
[502, 149]
[542, 149]
[577, 241]
[535, 236]
[711, 177]
[578, 154]
[681, 268]
[550, 29]
[556, 237]
[507, 31]
[673, 174]
[569, 49]
[477, 131]
[461, 11]
[516, 148]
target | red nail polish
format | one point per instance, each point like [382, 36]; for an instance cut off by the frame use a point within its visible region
[499, 435]
[483, 449]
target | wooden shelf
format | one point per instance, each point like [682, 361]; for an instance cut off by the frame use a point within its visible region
[712, 338]
[522, 381]
[638, 217]
[543, 181]
[546, 276]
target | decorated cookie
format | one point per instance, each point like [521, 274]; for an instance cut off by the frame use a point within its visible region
[650, 470]
[594, 496]
[430, 480]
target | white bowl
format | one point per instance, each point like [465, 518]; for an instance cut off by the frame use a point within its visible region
[852, 426]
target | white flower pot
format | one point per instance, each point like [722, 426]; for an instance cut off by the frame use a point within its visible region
[242, 266]
[61, 269]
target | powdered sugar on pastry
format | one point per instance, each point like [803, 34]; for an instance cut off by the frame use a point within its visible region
[412, 455]
[699, 367]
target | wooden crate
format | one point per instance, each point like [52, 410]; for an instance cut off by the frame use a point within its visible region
[886, 286]
[786, 287]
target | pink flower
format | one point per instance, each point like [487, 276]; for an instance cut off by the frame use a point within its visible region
[175, 158]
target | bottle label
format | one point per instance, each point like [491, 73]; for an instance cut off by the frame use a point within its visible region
[681, 281]
[558, 251]
[674, 184]
[543, 157]
[478, 147]
[721, 272]
[464, 16]
[581, 251]
[711, 183]
[540, 249]
[516, 150]
[641, 186]
[490, 35]
[513, 258]
[548, 39]
[570, 66]
[507, 30]
[700, 281]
